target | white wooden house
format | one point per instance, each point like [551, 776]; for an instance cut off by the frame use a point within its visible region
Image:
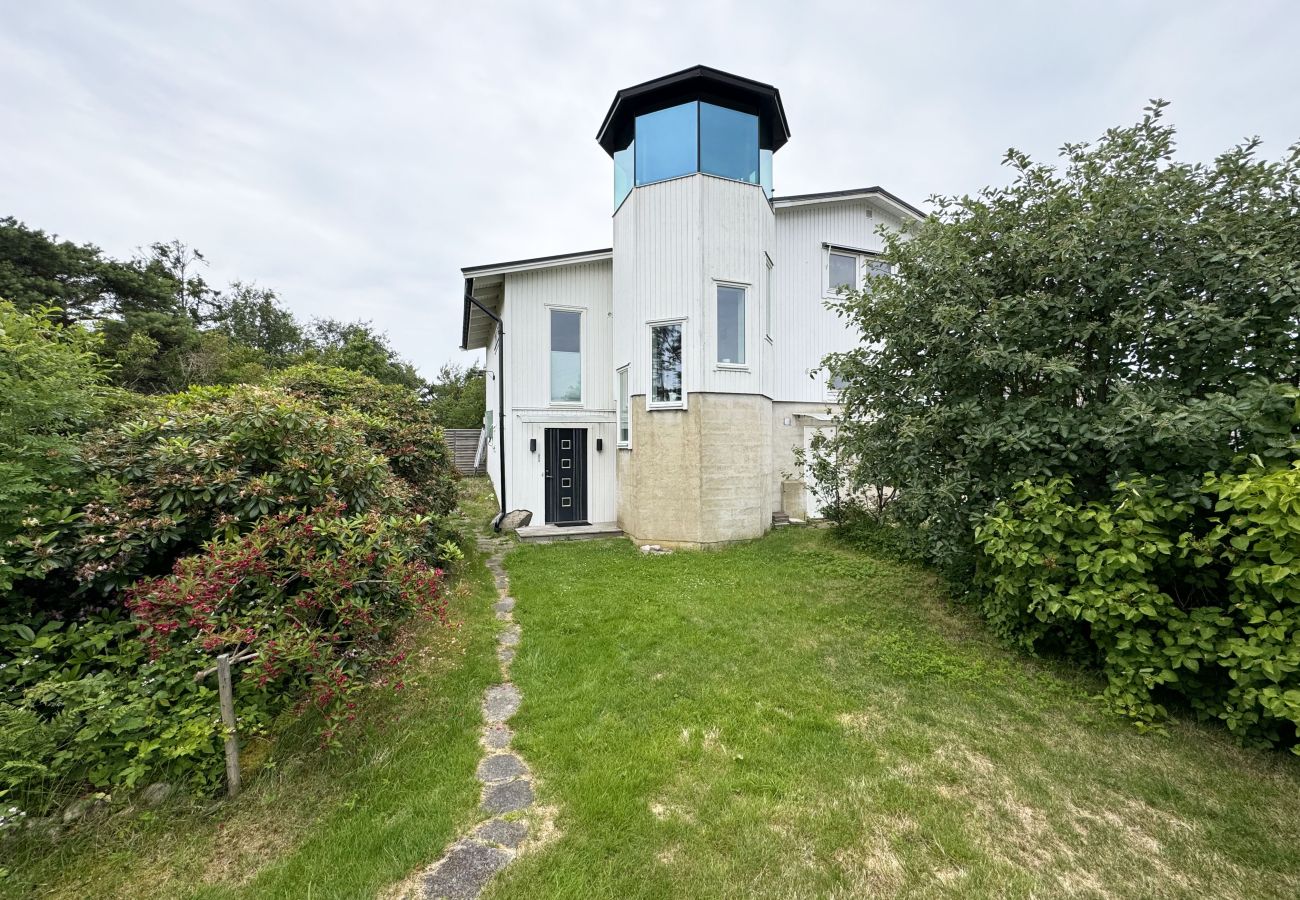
[663, 385]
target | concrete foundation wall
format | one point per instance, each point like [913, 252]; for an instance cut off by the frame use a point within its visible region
[700, 476]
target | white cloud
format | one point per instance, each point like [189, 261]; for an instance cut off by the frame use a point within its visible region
[354, 155]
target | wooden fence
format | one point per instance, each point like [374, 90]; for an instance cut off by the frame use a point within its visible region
[464, 447]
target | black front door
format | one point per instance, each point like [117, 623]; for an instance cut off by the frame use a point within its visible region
[566, 476]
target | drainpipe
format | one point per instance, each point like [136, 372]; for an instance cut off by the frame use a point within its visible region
[501, 392]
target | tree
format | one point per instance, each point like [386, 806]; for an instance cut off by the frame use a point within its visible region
[39, 271]
[253, 317]
[1117, 315]
[458, 396]
[181, 263]
[357, 346]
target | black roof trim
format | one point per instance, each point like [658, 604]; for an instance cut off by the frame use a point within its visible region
[831, 195]
[697, 82]
[470, 270]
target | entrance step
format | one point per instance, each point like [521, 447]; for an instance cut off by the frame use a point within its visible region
[542, 534]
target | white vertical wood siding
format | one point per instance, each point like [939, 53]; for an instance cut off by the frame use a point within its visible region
[673, 241]
[529, 297]
[805, 330]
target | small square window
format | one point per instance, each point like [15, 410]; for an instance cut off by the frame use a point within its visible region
[566, 501]
[566, 482]
[843, 272]
[566, 445]
[566, 464]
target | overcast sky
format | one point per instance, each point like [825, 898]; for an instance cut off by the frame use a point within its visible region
[354, 155]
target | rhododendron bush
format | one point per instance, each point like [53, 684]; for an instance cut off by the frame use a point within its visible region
[310, 600]
[294, 525]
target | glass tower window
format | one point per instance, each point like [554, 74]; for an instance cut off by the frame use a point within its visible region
[566, 356]
[688, 138]
[728, 143]
[623, 169]
[667, 143]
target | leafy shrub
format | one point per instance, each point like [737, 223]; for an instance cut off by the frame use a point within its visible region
[394, 422]
[51, 390]
[207, 463]
[1194, 597]
[313, 597]
[84, 705]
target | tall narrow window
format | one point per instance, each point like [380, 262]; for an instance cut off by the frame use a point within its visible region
[624, 410]
[566, 356]
[731, 325]
[666, 363]
[767, 307]
[843, 272]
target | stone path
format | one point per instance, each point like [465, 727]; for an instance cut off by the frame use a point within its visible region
[469, 863]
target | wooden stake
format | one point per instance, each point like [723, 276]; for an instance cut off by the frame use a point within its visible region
[227, 695]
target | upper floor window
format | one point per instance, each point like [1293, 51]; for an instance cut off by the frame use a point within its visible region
[843, 272]
[767, 306]
[731, 325]
[834, 384]
[566, 356]
[846, 269]
[666, 364]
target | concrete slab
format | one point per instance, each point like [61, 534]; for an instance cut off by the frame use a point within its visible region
[544, 533]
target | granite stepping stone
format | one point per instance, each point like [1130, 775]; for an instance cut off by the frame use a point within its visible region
[506, 832]
[509, 637]
[500, 702]
[500, 767]
[465, 871]
[507, 796]
[497, 737]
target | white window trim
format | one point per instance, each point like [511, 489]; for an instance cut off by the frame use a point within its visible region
[582, 357]
[623, 371]
[832, 393]
[861, 255]
[767, 301]
[744, 289]
[827, 290]
[650, 405]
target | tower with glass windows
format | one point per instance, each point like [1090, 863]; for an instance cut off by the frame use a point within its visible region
[694, 235]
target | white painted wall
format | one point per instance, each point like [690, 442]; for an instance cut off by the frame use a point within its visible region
[674, 241]
[805, 329]
[529, 297]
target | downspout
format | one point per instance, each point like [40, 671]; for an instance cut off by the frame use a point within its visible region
[501, 392]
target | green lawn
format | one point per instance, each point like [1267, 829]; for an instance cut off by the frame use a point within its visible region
[340, 824]
[789, 718]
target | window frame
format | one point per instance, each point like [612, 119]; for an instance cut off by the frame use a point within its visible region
[717, 324]
[861, 258]
[650, 403]
[551, 309]
[830, 290]
[767, 312]
[623, 403]
[832, 392]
